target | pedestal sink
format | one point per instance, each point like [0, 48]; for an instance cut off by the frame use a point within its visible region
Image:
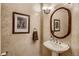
[56, 46]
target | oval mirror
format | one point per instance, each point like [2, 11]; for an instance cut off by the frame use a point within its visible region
[60, 22]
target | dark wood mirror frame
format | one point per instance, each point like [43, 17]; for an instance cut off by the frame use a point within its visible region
[69, 23]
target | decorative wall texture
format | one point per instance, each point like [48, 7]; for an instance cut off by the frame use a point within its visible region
[46, 33]
[75, 30]
[0, 29]
[20, 44]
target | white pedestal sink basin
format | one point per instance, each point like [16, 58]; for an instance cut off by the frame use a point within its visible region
[56, 46]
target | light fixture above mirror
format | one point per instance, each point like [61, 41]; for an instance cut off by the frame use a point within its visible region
[47, 7]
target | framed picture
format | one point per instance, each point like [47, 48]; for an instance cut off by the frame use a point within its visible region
[21, 23]
[56, 25]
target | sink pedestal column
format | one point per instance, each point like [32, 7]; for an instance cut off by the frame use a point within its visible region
[54, 53]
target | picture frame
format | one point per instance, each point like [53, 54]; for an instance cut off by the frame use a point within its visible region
[21, 23]
[56, 25]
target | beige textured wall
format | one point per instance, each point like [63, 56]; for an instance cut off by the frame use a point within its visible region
[0, 29]
[46, 33]
[20, 44]
[75, 30]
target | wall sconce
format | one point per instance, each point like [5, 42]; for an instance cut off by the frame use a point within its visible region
[47, 7]
[46, 10]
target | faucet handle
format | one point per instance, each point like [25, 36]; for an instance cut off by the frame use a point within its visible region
[51, 38]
